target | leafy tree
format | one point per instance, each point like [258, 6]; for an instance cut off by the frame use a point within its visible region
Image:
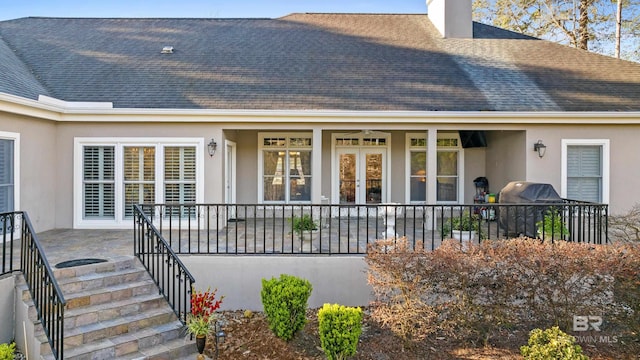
[584, 24]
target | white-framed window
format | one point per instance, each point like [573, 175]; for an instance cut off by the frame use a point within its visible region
[9, 171]
[448, 159]
[113, 174]
[585, 170]
[284, 167]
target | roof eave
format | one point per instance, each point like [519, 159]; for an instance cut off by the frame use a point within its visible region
[59, 110]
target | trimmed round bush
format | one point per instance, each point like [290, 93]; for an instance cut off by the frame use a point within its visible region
[551, 343]
[285, 304]
[340, 328]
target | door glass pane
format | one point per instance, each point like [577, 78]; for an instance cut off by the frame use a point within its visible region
[374, 178]
[418, 179]
[347, 178]
[6, 176]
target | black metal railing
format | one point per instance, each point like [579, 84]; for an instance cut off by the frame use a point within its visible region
[348, 229]
[10, 242]
[169, 273]
[45, 291]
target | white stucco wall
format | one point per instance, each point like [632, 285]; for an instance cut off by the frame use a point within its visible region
[624, 155]
[239, 278]
[7, 329]
[37, 171]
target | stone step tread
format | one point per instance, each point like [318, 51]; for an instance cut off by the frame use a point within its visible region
[126, 346]
[113, 264]
[147, 281]
[100, 275]
[90, 331]
[112, 323]
[112, 304]
[100, 312]
[180, 348]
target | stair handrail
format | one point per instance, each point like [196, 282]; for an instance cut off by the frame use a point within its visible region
[46, 294]
[152, 248]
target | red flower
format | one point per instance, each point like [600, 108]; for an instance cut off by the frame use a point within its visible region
[204, 303]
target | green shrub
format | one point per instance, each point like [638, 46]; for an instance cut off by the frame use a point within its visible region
[551, 344]
[552, 226]
[285, 304]
[340, 328]
[7, 351]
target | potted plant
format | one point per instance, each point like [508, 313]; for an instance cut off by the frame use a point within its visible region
[551, 227]
[306, 230]
[462, 227]
[202, 315]
[303, 226]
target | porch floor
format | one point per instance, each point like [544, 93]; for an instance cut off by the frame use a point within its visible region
[73, 244]
[68, 244]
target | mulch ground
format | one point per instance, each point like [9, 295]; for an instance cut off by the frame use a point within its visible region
[250, 338]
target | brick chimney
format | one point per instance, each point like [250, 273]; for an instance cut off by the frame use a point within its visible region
[451, 17]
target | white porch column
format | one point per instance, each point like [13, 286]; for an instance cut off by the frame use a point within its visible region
[316, 164]
[432, 166]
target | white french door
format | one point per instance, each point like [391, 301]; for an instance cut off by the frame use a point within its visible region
[361, 175]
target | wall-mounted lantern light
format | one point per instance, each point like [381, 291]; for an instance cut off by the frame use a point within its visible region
[212, 146]
[540, 148]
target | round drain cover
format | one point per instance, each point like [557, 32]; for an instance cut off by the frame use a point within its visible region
[78, 262]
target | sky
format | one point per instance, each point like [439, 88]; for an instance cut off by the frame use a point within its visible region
[13, 9]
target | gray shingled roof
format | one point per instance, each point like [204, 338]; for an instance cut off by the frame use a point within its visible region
[306, 62]
[15, 77]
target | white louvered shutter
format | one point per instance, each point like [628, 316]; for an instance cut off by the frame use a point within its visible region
[98, 182]
[139, 177]
[180, 174]
[584, 173]
[6, 176]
